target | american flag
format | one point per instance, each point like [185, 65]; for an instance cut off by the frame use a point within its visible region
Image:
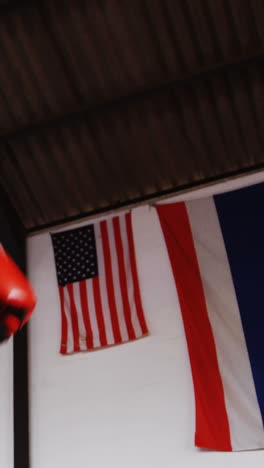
[98, 285]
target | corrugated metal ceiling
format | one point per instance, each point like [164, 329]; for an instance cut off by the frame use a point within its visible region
[104, 102]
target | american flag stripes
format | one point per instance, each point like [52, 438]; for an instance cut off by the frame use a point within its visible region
[98, 285]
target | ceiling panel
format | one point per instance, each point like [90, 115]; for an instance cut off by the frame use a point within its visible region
[105, 102]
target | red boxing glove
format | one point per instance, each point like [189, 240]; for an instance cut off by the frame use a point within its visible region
[17, 298]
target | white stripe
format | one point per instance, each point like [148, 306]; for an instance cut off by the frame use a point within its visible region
[102, 284]
[117, 288]
[81, 325]
[129, 278]
[67, 308]
[240, 396]
[92, 313]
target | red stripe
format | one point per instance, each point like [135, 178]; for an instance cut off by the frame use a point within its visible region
[86, 317]
[110, 282]
[212, 428]
[64, 325]
[99, 311]
[122, 278]
[131, 247]
[74, 318]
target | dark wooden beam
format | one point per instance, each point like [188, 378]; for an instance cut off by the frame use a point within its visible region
[151, 198]
[12, 236]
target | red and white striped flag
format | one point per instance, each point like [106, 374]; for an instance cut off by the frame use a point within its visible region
[98, 285]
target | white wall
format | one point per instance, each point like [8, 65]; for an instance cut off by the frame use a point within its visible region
[127, 406]
[6, 405]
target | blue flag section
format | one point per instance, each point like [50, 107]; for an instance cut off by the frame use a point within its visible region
[242, 223]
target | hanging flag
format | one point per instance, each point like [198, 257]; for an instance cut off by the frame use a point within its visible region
[216, 249]
[98, 285]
